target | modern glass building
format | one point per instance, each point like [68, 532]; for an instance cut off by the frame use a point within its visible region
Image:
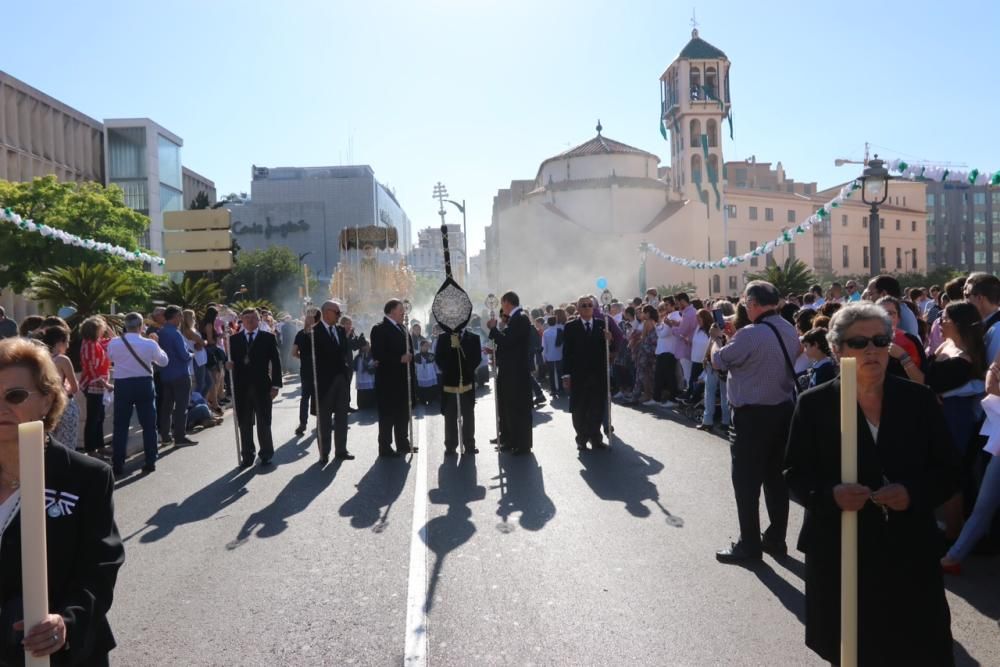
[963, 226]
[144, 160]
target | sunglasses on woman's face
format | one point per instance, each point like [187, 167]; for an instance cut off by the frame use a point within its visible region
[17, 396]
[861, 342]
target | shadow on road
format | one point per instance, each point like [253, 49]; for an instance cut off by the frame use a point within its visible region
[297, 495]
[379, 488]
[789, 596]
[457, 487]
[623, 474]
[522, 489]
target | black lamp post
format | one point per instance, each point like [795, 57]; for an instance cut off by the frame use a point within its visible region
[874, 191]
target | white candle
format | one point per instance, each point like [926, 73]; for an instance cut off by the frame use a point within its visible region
[34, 562]
[848, 520]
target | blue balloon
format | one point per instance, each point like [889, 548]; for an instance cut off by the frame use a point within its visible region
[602, 283]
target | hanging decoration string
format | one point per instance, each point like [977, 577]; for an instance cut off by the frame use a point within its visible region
[941, 175]
[787, 236]
[8, 215]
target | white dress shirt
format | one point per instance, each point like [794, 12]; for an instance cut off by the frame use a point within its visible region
[550, 351]
[126, 365]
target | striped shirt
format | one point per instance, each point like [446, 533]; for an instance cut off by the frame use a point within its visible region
[758, 372]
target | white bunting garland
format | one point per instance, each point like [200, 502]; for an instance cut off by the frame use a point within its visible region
[788, 236]
[941, 174]
[8, 215]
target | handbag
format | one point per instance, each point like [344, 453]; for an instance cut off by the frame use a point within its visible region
[135, 356]
[788, 360]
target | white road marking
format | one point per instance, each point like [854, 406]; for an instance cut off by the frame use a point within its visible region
[416, 597]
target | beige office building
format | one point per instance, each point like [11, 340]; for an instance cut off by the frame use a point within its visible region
[193, 183]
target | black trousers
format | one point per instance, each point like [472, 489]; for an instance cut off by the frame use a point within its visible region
[449, 408]
[393, 421]
[254, 405]
[758, 456]
[516, 410]
[665, 377]
[93, 428]
[176, 396]
[588, 404]
[332, 411]
[306, 400]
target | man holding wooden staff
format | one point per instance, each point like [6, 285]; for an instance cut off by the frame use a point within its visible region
[905, 467]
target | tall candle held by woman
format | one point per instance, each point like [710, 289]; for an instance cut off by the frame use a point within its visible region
[34, 562]
[848, 520]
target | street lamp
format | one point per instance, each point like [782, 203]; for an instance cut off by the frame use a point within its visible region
[441, 194]
[874, 191]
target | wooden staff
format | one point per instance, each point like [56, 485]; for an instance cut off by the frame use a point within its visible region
[315, 397]
[848, 520]
[232, 387]
[491, 304]
[407, 307]
[606, 302]
[34, 568]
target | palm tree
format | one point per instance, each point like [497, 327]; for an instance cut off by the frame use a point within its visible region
[793, 276]
[88, 288]
[193, 294]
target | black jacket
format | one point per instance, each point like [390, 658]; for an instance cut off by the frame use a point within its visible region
[331, 355]
[388, 344]
[585, 356]
[458, 364]
[264, 369]
[514, 346]
[84, 555]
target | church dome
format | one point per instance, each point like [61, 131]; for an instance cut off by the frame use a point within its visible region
[620, 155]
[699, 49]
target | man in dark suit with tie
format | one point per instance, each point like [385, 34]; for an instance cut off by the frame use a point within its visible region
[256, 364]
[514, 375]
[585, 368]
[332, 383]
[389, 350]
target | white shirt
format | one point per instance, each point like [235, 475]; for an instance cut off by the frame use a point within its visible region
[699, 345]
[125, 364]
[665, 336]
[550, 352]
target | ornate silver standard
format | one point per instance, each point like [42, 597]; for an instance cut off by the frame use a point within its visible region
[407, 307]
[315, 397]
[492, 303]
[606, 302]
[228, 317]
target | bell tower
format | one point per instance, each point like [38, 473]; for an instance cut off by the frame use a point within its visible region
[694, 99]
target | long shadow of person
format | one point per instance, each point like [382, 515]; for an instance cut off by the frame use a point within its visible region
[379, 488]
[457, 487]
[297, 495]
[789, 596]
[199, 506]
[522, 489]
[621, 473]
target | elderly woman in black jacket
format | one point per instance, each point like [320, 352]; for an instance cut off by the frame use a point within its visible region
[906, 468]
[84, 549]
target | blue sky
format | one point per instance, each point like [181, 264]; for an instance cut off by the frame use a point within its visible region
[476, 93]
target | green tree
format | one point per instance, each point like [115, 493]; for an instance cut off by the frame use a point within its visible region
[88, 288]
[273, 274]
[793, 276]
[200, 201]
[687, 288]
[189, 293]
[88, 210]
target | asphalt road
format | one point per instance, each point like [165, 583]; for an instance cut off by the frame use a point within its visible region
[604, 558]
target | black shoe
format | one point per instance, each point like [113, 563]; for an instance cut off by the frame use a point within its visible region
[522, 451]
[581, 446]
[494, 441]
[540, 402]
[184, 441]
[469, 451]
[324, 459]
[345, 456]
[350, 409]
[118, 470]
[301, 430]
[166, 441]
[245, 463]
[737, 554]
[599, 444]
[778, 550]
[148, 468]
[265, 462]
[451, 452]
[705, 427]
[506, 448]
[389, 454]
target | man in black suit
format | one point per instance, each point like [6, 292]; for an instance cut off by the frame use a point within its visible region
[458, 356]
[585, 368]
[332, 383]
[389, 350]
[514, 375]
[256, 364]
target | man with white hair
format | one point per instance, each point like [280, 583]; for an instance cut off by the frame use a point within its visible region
[332, 382]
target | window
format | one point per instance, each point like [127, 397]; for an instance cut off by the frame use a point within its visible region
[753, 212]
[769, 214]
[716, 284]
[846, 256]
[791, 215]
[864, 222]
[881, 222]
[791, 251]
[712, 130]
[695, 126]
[881, 257]
[731, 211]
[843, 221]
[913, 261]
[979, 199]
[753, 258]
[732, 248]
[696, 168]
[732, 284]
[980, 257]
[904, 200]
[899, 258]
[897, 225]
[930, 200]
[913, 225]
[864, 257]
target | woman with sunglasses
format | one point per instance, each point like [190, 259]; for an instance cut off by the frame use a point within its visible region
[906, 353]
[906, 468]
[84, 549]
